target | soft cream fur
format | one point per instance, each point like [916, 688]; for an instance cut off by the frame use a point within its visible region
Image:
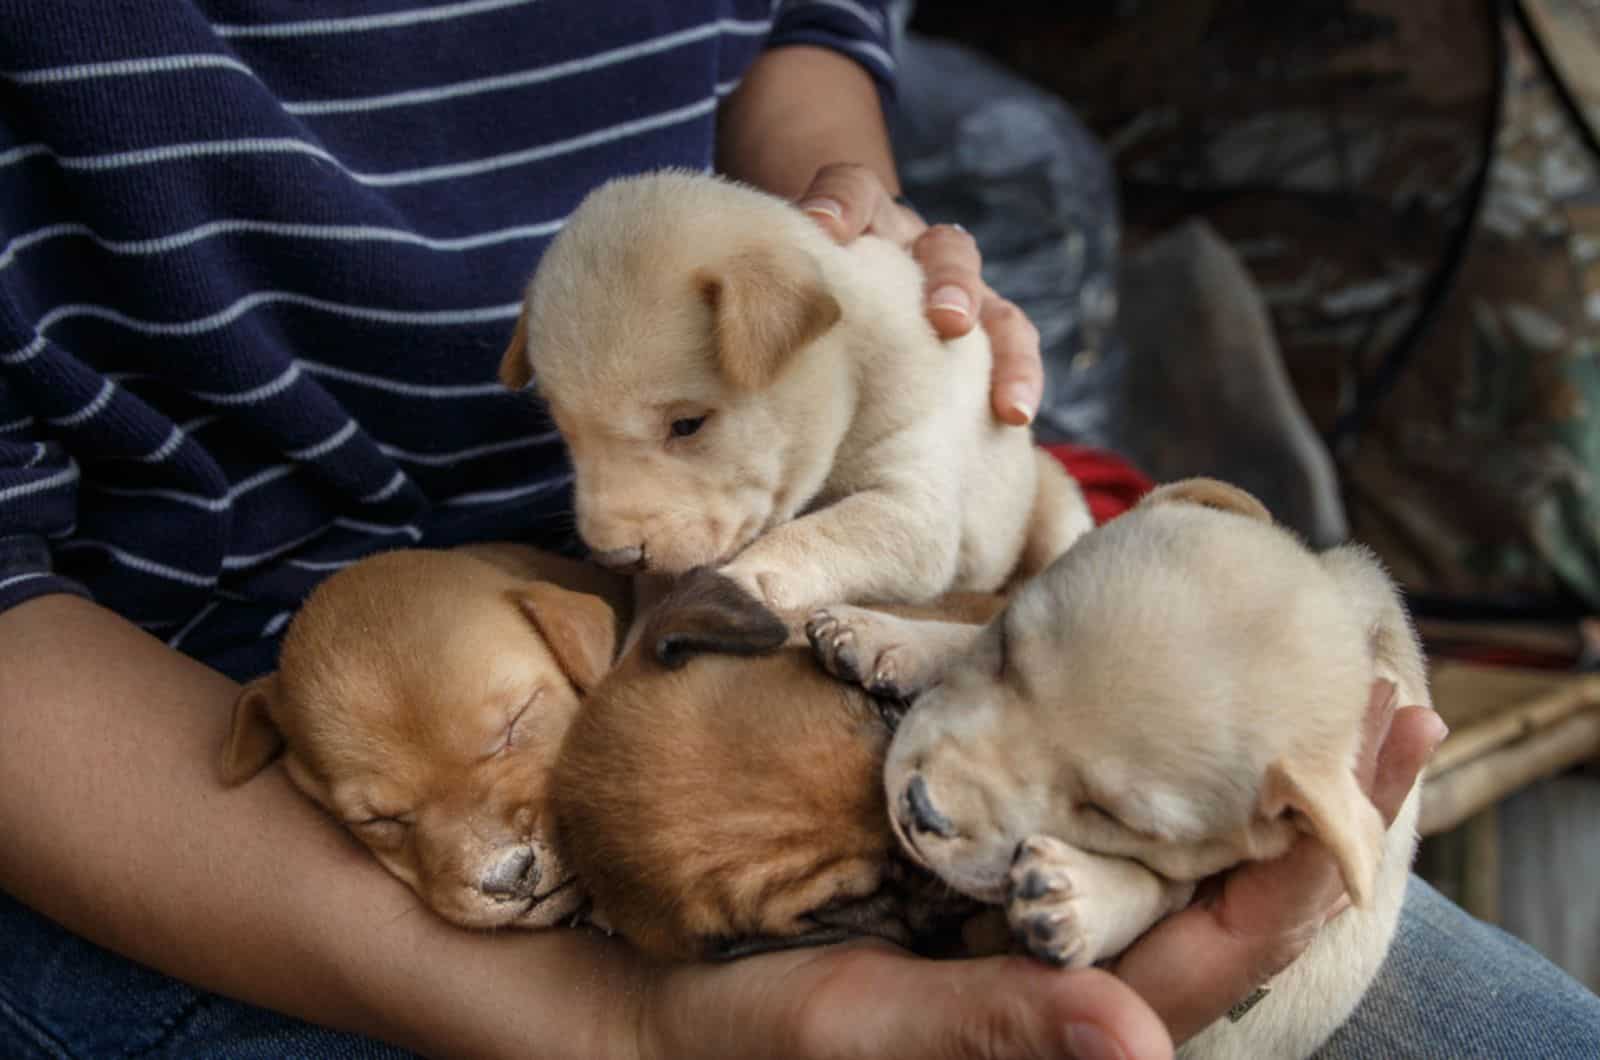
[1183, 690]
[828, 445]
[421, 698]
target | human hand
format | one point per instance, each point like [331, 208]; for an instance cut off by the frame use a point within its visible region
[869, 999]
[849, 200]
[1256, 919]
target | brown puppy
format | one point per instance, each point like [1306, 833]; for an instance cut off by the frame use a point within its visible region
[421, 698]
[719, 794]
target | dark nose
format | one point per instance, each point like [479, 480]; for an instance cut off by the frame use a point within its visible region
[925, 816]
[623, 559]
[514, 875]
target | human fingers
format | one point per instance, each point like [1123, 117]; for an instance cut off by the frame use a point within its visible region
[847, 200]
[873, 1001]
[1016, 382]
[952, 268]
[1256, 919]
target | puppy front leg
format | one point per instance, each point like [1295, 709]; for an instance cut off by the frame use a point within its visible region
[885, 654]
[880, 545]
[1073, 908]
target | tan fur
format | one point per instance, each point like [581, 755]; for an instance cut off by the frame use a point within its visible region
[397, 687]
[733, 792]
[1182, 691]
[843, 451]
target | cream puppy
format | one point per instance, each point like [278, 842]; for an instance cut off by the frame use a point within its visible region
[737, 391]
[1180, 692]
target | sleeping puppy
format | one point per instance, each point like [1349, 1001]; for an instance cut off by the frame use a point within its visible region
[420, 699]
[720, 795]
[738, 391]
[1180, 692]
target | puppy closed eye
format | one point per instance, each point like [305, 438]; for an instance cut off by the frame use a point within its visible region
[382, 831]
[516, 729]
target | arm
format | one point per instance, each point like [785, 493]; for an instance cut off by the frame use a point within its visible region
[115, 825]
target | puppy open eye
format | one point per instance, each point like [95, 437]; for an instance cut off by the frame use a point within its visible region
[685, 426]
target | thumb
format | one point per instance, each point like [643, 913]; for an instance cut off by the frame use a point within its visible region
[878, 1004]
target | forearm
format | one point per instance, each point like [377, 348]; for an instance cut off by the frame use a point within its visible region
[800, 108]
[115, 825]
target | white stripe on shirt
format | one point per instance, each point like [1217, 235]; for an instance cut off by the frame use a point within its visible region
[227, 315]
[532, 76]
[59, 479]
[156, 64]
[287, 230]
[362, 23]
[398, 178]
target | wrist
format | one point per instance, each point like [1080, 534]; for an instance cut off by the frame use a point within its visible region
[825, 105]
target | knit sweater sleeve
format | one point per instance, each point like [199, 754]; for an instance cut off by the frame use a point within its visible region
[861, 29]
[38, 495]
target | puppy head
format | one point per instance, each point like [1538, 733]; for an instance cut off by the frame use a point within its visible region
[421, 699]
[665, 327]
[719, 794]
[1185, 686]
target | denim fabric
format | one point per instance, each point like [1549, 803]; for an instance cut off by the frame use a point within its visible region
[62, 997]
[1452, 987]
[1456, 987]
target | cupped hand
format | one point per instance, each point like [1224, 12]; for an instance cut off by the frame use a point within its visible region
[870, 1000]
[1254, 920]
[850, 200]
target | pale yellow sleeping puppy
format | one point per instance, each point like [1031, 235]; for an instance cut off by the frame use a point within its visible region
[1182, 691]
[738, 391]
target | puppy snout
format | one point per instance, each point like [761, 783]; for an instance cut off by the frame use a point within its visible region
[515, 874]
[622, 559]
[922, 813]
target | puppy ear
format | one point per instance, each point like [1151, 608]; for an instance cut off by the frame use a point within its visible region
[709, 613]
[580, 629]
[515, 370]
[253, 738]
[768, 303]
[1209, 493]
[1328, 803]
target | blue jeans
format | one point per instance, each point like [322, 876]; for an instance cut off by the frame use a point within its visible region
[1452, 987]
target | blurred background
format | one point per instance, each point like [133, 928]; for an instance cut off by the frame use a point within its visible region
[1345, 253]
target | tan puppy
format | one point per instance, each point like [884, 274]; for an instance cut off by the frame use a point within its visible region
[421, 698]
[720, 795]
[738, 390]
[1182, 691]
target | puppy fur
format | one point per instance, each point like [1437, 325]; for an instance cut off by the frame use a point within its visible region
[421, 698]
[738, 391]
[1182, 691]
[720, 795]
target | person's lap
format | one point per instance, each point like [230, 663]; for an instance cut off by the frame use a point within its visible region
[1452, 986]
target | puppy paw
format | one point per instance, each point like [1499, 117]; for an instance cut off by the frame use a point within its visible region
[1046, 907]
[852, 644]
[774, 589]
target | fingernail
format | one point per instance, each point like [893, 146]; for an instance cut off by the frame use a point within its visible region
[952, 298]
[1441, 730]
[1338, 907]
[823, 208]
[1018, 409]
[1085, 1041]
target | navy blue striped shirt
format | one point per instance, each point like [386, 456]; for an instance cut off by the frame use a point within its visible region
[260, 259]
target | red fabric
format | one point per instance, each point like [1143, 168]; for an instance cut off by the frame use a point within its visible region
[1110, 484]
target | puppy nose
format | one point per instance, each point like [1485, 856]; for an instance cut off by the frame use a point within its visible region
[623, 559]
[925, 816]
[514, 875]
